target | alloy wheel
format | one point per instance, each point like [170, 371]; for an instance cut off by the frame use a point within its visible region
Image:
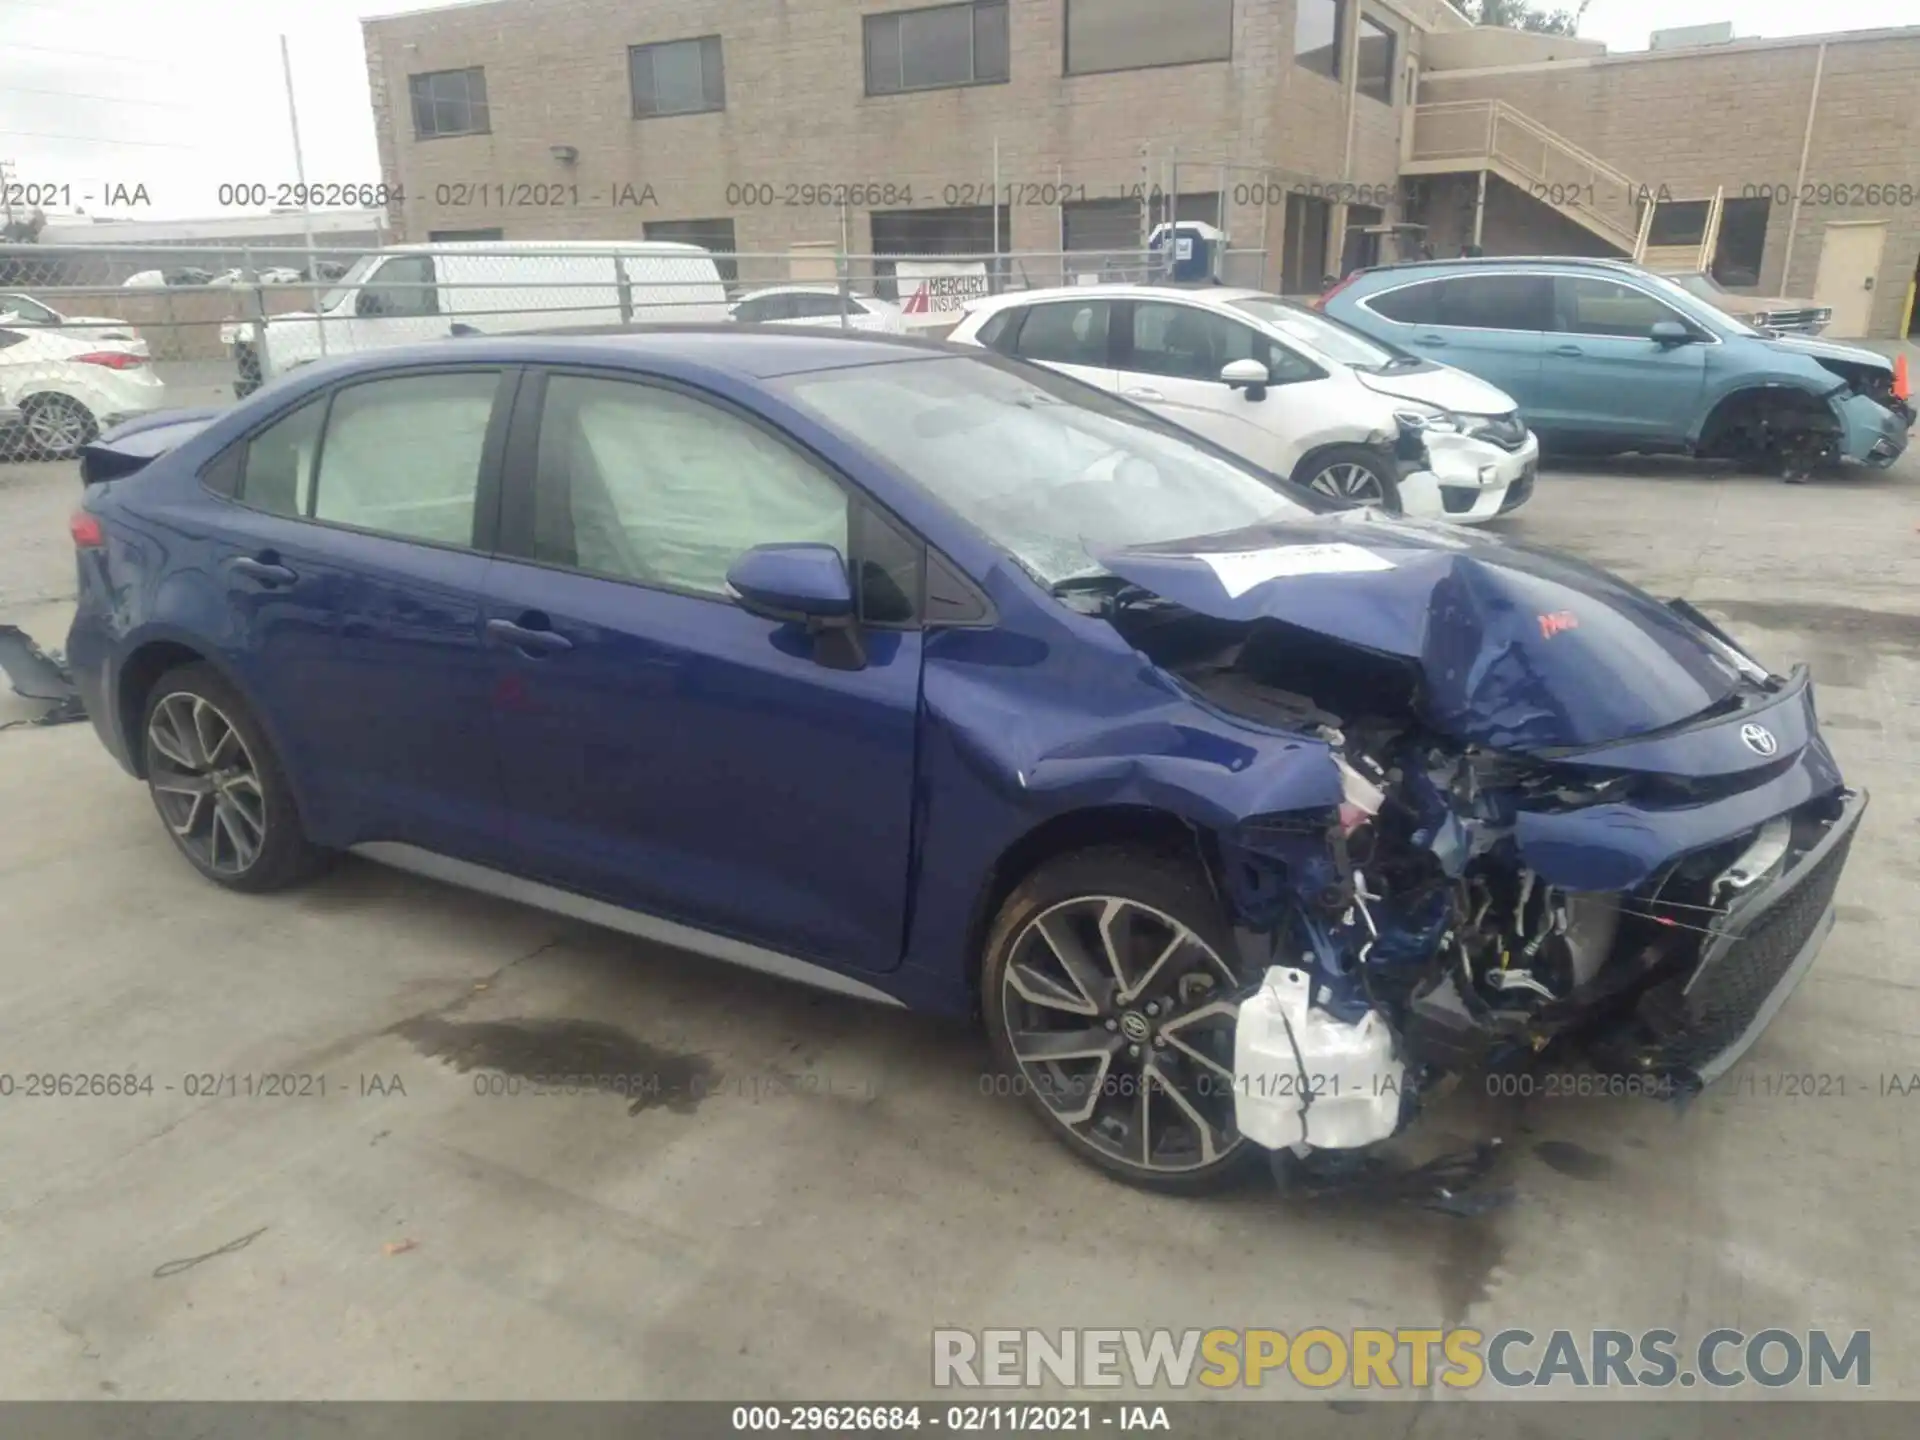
[57, 426]
[1355, 484]
[205, 784]
[1121, 1020]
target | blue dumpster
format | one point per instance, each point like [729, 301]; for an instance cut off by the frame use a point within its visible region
[1188, 247]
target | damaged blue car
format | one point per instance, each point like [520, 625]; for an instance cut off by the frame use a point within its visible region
[1241, 821]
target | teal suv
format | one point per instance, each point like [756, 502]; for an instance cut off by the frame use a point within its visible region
[1605, 357]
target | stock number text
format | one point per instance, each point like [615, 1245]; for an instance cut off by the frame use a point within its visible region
[256, 192]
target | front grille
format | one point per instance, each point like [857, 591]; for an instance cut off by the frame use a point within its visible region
[1509, 432]
[1700, 1019]
[1807, 321]
[1458, 499]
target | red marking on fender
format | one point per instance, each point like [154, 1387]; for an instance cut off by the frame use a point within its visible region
[1552, 625]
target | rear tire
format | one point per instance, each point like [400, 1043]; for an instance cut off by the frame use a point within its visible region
[57, 426]
[1107, 979]
[218, 786]
[1354, 474]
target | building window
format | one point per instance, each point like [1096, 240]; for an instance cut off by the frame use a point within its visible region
[680, 77]
[1135, 34]
[937, 48]
[1375, 69]
[1743, 241]
[1303, 257]
[461, 237]
[714, 235]
[449, 102]
[1316, 36]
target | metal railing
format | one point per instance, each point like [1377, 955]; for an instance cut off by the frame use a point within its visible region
[1491, 134]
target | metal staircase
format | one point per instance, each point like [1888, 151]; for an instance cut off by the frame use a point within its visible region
[1490, 137]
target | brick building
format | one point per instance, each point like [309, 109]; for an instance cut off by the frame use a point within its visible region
[1307, 128]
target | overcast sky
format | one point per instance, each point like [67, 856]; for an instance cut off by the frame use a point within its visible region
[180, 96]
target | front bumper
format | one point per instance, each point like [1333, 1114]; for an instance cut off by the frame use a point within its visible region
[1697, 1025]
[1469, 480]
[1871, 434]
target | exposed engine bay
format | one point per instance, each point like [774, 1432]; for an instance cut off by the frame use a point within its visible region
[1442, 918]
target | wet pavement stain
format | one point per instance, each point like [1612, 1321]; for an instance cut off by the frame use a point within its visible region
[1848, 722]
[1465, 1261]
[1574, 1160]
[1878, 629]
[1856, 914]
[568, 1054]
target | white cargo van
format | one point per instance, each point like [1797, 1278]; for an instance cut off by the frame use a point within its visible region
[408, 293]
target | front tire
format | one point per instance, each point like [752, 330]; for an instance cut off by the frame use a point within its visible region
[58, 426]
[1356, 475]
[218, 786]
[1111, 999]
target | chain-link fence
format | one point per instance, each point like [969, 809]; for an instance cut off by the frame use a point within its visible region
[90, 337]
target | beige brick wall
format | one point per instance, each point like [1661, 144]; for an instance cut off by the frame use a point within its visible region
[1696, 120]
[797, 111]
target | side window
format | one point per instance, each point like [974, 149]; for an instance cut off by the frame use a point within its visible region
[277, 473]
[819, 307]
[29, 312]
[1073, 332]
[402, 456]
[639, 483]
[1605, 307]
[1409, 305]
[887, 567]
[403, 285]
[1497, 302]
[1184, 342]
[997, 333]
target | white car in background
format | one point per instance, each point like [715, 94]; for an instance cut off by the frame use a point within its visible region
[66, 391]
[23, 312]
[817, 305]
[1281, 385]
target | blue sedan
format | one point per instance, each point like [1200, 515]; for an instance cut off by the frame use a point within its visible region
[939, 680]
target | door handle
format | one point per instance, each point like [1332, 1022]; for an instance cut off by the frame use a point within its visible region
[1141, 392]
[1439, 340]
[527, 640]
[267, 572]
[1568, 350]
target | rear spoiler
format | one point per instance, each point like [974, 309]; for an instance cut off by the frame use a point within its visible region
[128, 448]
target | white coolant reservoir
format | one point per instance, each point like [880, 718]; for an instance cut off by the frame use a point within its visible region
[1303, 1077]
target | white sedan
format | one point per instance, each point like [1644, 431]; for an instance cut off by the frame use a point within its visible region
[817, 305]
[24, 312]
[1295, 392]
[66, 391]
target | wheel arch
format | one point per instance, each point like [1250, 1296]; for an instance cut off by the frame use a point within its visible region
[1141, 825]
[1727, 411]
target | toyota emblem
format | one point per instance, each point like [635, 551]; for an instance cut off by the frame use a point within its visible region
[1758, 739]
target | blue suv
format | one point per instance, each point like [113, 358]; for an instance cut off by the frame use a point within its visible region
[943, 680]
[1605, 357]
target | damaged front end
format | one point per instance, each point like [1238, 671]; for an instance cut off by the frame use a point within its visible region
[1568, 816]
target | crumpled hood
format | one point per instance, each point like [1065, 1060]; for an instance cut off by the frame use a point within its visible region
[1518, 648]
[1440, 386]
[1816, 349]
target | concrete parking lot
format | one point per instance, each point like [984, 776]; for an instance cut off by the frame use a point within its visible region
[830, 1181]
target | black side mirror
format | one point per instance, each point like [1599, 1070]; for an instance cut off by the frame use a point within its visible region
[370, 302]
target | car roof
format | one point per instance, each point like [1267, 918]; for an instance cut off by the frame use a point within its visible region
[743, 351]
[821, 289]
[1119, 290]
[1476, 262]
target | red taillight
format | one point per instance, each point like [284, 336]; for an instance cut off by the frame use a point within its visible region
[86, 531]
[112, 359]
[1321, 303]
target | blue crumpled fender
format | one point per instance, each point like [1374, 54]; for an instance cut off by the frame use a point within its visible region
[1048, 713]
